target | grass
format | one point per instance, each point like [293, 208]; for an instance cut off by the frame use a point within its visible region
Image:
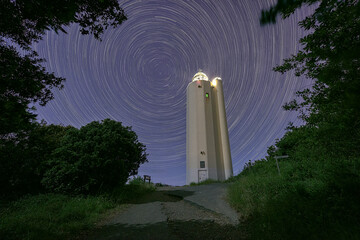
[205, 182]
[129, 193]
[309, 200]
[50, 216]
[56, 216]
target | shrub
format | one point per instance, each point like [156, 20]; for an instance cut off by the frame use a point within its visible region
[23, 159]
[50, 216]
[133, 191]
[207, 181]
[97, 158]
[309, 200]
[136, 181]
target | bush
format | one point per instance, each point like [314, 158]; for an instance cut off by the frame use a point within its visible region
[51, 216]
[23, 159]
[133, 191]
[205, 182]
[311, 199]
[97, 158]
[137, 181]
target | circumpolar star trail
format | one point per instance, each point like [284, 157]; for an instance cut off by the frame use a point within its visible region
[139, 72]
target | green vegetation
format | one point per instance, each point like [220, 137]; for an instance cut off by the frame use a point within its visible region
[24, 158]
[311, 199]
[97, 158]
[317, 193]
[129, 193]
[38, 160]
[50, 216]
[207, 181]
[94, 159]
[24, 80]
[56, 216]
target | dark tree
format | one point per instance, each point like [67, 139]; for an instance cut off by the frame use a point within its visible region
[284, 8]
[97, 158]
[23, 81]
[22, 22]
[25, 21]
[325, 150]
[23, 159]
[330, 57]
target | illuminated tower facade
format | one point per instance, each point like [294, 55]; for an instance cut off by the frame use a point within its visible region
[207, 139]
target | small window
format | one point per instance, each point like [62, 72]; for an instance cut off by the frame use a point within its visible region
[207, 95]
[199, 86]
[202, 164]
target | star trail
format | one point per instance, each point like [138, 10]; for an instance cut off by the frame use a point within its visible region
[139, 72]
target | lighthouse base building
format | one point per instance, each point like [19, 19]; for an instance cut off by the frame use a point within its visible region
[207, 140]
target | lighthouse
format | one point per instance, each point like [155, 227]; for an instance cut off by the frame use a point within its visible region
[207, 139]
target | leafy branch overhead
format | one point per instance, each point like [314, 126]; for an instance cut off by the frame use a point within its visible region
[284, 8]
[25, 21]
[329, 56]
[24, 81]
[318, 188]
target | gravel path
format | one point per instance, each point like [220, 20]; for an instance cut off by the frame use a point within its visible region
[185, 211]
[204, 202]
[212, 197]
[140, 214]
[199, 211]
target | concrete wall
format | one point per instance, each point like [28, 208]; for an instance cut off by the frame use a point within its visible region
[224, 133]
[195, 131]
[206, 132]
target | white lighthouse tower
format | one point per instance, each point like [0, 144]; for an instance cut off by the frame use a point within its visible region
[207, 139]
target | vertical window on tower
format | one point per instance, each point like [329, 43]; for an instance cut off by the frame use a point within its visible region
[207, 95]
[202, 164]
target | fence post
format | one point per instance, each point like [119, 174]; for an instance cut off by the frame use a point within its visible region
[277, 164]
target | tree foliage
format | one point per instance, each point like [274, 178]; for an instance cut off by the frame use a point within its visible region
[97, 158]
[329, 57]
[23, 158]
[24, 81]
[284, 8]
[316, 194]
[25, 21]
[52, 158]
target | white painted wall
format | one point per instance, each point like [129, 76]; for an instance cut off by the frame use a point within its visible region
[206, 132]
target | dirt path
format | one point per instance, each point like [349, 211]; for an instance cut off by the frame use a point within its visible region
[190, 213]
[212, 198]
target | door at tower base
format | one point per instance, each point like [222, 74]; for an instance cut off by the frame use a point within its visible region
[202, 175]
[207, 139]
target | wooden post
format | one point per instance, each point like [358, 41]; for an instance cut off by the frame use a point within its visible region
[147, 177]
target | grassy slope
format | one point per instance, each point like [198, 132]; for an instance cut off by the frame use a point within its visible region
[50, 216]
[309, 200]
[205, 182]
[56, 216]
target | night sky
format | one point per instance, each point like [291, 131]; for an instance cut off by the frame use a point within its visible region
[139, 72]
